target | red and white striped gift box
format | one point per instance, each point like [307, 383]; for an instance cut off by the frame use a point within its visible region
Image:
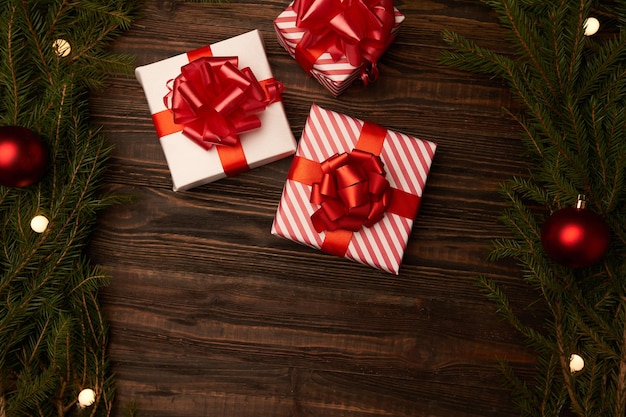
[190, 165]
[336, 76]
[407, 162]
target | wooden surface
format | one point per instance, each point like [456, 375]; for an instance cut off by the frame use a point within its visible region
[211, 315]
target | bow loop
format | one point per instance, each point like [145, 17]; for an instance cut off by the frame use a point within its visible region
[353, 192]
[314, 15]
[358, 29]
[215, 101]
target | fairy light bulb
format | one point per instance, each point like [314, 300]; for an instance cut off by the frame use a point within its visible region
[86, 397]
[39, 223]
[576, 363]
[62, 47]
[591, 25]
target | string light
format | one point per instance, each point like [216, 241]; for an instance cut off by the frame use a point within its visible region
[576, 363]
[39, 223]
[62, 47]
[86, 397]
[591, 26]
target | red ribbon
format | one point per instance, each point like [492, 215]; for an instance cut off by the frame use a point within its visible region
[394, 200]
[215, 101]
[359, 29]
[353, 192]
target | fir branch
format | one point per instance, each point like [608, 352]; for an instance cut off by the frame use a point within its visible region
[34, 25]
[604, 73]
[53, 336]
[465, 50]
[563, 354]
[576, 38]
[494, 293]
[11, 64]
[526, 38]
[517, 386]
[530, 133]
[573, 123]
[620, 403]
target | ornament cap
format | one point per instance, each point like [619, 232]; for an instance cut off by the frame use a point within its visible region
[581, 201]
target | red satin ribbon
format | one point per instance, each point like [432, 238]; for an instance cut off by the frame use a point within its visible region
[359, 29]
[361, 184]
[215, 102]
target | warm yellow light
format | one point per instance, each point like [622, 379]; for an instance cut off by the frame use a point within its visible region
[576, 363]
[591, 26]
[39, 223]
[86, 397]
[62, 47]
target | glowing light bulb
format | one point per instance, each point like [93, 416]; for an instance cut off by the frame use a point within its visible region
[62, 47]
[86, 397]
[39, 223]
[576, 363]
[591, 26]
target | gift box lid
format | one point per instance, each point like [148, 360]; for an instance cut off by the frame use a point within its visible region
[334, 73]
[406, 161]
[191, 165]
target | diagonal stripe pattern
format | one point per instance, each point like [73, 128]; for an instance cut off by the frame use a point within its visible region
[335, 76]
[407, 162]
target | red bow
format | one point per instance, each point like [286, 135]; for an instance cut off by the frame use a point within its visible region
[215, 101]
[360, 29]
[352, 193]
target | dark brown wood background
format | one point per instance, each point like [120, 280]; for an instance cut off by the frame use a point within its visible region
[210, 315]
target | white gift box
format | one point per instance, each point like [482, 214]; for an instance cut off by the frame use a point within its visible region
[190, 165]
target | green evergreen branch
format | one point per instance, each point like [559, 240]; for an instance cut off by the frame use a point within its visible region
[576, 36]
[11, 63]
[464, 51]
[604, 72]
[56, 17]
[561, 337]
[494, 293]
[526, 38]
[33, 29]
[517, 386]
[553, 392]
[620, 404]
[573, 92]
[531, 93]
[53, 336]
[530, 134]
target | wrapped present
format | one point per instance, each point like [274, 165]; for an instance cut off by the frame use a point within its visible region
[338, 41]
[354, 189]
[217, 110]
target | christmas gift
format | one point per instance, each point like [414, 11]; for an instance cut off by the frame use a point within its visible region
[354, 189]
[217, 110]
[338, 41]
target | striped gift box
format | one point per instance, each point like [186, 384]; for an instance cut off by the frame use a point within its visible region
[189, 164]
[336, 76]
[407, 162]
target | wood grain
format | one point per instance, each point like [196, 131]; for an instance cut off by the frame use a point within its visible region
[211, 315]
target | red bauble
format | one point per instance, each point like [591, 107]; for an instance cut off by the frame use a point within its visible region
[575, 237]
[24, 156]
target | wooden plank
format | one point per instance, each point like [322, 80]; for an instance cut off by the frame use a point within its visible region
[212, 315]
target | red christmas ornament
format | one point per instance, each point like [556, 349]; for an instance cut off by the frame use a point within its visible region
[24, 156]
[575, 237]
